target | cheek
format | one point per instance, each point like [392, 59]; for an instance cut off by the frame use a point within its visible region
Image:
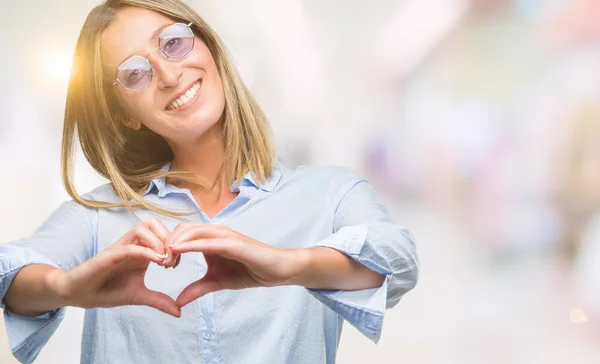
[217, 98]
[137, 105]
[216, 82]
[219, 92]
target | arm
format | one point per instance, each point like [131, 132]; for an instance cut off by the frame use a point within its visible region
[63, 241]
[326, 268]
[364, 232]
[33, 291]
[58, 266]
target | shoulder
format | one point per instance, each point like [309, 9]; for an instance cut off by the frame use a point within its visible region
[322, 174]
[331, 180]
[102, 193]
[325, 172]
[71, 213]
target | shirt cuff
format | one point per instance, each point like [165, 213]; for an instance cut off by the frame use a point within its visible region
[28, 335]
[363, 309]
[349, 240]
[12, 260]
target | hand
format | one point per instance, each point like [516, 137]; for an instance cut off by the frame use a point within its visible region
[115, 276]
[234, 261]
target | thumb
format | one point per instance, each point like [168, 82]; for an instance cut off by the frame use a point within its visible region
[198, 289]
[157, 300]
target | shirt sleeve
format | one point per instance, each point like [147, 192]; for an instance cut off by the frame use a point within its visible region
[364, 231]
[65, 240]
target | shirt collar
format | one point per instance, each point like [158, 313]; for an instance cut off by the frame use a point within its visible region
[158, 184]
[249, 179]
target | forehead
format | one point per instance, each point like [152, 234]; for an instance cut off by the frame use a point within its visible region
[130, 34]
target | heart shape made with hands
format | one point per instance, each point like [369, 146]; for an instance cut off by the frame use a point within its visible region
[233, 260]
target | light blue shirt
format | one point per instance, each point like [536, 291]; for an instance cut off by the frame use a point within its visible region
[306, 207]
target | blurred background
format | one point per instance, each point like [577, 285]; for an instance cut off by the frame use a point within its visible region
[477, 121]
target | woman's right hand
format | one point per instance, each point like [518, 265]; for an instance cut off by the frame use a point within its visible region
[115, 276]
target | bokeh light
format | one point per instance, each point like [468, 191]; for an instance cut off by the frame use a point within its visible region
[57, 66]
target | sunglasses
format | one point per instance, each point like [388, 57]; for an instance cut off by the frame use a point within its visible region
[175, 42]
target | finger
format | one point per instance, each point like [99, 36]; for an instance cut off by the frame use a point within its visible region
[158, 228]
[149, 239]
[227, 248]
[158, 300]
[141, 235]
[161, 231]
[131, 252]
[177, 261]
[129, 238]
[196, 290]
[169, 240]
[107, 262]
[179, 229]
[192, 231]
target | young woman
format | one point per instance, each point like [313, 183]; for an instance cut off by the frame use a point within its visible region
[265, 262]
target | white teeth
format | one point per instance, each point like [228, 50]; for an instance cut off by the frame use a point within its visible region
[185, 98]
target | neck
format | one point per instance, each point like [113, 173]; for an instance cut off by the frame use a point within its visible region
[203, 158]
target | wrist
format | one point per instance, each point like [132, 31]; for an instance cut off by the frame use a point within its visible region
[56, 283]
[302, 263]
[330, 269]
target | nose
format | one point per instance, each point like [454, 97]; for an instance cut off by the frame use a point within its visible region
[167, 73]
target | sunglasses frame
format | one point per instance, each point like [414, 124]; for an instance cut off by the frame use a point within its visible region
[154, 50]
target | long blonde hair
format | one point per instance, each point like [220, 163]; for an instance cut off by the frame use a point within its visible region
[132, 159]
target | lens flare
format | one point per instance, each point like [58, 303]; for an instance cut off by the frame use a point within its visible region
[57, 66]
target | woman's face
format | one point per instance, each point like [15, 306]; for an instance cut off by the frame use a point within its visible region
[164, 105]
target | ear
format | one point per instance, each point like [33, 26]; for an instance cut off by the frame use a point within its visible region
[130, 123]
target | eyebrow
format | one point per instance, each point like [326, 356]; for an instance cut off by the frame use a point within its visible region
[159, 30]
[155, 35]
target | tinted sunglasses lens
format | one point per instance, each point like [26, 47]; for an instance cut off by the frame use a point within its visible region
[135, 73]
[177, 41]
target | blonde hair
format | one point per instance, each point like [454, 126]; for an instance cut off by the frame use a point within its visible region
[132, 159]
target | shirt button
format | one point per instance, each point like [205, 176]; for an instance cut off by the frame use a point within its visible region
[207, 335]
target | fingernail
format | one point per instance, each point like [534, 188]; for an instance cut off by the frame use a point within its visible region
[172, 245]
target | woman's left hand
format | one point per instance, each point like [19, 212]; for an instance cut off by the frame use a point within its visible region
[234, 261]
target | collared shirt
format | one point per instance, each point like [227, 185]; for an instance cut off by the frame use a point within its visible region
[306, 207]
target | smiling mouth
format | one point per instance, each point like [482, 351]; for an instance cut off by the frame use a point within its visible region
[186, 98]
